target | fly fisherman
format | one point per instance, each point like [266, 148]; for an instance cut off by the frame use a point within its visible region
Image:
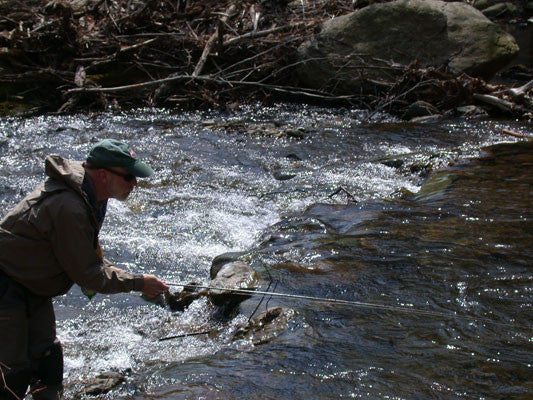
[48, 242]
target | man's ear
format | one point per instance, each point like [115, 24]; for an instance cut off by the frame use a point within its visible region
[102, 176]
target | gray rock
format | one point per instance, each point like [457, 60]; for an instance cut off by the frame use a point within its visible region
[265, 326]
[234, 275]
[103, 383]
[436, 33]
[222, 259]
[420, 109]
[282, 176]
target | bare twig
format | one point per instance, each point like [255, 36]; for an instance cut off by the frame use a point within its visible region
[256, 34]
[351, 197]
[3, 380]
[515, 134]
[137, 45]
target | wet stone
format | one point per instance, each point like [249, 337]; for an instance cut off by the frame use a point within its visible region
[282, 176]
[103, 383]
[221, 260]
[234, 275]
[266, 326]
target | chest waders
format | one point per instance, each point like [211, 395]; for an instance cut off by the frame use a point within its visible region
[31, 355]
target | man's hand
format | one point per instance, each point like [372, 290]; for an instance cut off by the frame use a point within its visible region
[153, 286]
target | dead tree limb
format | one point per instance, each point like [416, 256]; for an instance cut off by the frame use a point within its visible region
[517, 91]
[283, 89]
[211, 42]
[503, 105]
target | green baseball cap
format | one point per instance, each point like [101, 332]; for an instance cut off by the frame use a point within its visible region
[114, 153]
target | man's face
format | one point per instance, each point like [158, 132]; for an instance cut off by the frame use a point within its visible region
[119, 183]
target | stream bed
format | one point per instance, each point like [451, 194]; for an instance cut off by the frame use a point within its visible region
[412, 216]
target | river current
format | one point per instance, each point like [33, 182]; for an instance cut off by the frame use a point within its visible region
[428, 216]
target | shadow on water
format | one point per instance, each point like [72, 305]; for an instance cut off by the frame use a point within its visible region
[455, 238]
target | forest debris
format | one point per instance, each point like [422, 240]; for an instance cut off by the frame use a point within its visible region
[95, 54]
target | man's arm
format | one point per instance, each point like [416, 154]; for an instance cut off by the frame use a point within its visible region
[72, 241]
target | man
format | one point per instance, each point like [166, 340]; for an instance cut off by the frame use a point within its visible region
[48, 242]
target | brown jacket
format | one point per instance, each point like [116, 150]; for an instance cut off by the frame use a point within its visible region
[49, 240]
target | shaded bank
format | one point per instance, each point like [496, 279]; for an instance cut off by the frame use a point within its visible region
[92, 54]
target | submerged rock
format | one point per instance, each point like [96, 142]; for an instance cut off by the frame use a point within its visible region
[234, 275]
[103, 383]
[266, 326]
[453, 35]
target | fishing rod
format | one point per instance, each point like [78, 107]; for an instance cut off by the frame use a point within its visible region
[353, 303]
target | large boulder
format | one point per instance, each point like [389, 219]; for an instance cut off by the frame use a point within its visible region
[374, 43]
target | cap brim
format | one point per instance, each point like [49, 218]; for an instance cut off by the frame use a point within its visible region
[139, 169]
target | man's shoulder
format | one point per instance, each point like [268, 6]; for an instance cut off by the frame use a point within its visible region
[61, 196]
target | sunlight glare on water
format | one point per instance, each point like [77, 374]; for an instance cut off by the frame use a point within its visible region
[265, 181]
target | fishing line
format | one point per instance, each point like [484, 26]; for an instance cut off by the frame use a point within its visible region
[352, 303]
[270, 281]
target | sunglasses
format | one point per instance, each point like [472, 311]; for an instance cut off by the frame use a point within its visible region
[127, 177]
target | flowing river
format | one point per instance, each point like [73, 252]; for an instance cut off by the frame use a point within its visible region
[433, 217]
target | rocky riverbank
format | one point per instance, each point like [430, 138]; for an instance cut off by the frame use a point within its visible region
[69, 56]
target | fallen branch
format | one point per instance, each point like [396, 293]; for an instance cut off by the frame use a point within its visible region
[519, 90]
[503, 105]
[212, 40]
[515, 134]
[397, 98]
[351, 197]
[284, 89]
